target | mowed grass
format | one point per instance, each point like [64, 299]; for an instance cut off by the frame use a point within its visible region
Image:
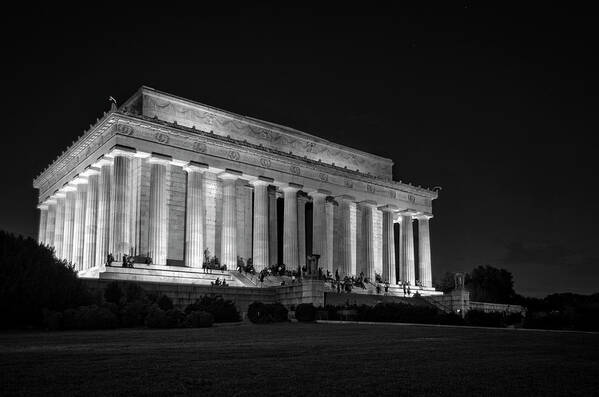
[300, 359]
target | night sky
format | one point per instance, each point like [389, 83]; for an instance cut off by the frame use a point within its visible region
[496, 105]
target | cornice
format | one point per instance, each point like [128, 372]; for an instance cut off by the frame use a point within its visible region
[123, 121]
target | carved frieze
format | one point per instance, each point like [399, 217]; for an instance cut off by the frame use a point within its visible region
[200, 147]
[161, 137]
[295, 170]
[264, 162]
[124, 129]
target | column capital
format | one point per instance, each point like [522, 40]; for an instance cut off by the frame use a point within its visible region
[320, 192]
[346, 197]
[158, 158]
[291, 187]
[42, 207]
[50, 201]
[102, 161]
[194, 166]
[368, 203]
[67, 187]
[303, 196]
[230, 174]
[262, 181]
[423, 216]
[58, 194]
[331, 199]
[89, 170]
[388, 208]
[409, 212]
[78, 180]
[121, 150]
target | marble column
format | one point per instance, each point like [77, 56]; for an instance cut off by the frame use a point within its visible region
[388, 245]
[348, 236]
[302, 199]
[69, 223]
[59, 223]
[290, 249]
[51, 222]
[424, 251]
[327, 264]
[79, 224]
[103, 221]
[273, 237]
[91, 219]
[319, 224]
[368, 238]
[120, 220]
[158, 236]
[407, 269]
[229, 221]
[260, 249]
[194, 221]
[41, 235]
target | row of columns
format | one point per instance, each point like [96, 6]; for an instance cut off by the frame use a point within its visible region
[93, 216]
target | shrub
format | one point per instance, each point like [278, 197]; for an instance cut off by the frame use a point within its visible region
[52, 320]
[305, 312]
[113, 293]
[134, 313]
[165, 303]
[199, 319]
[224, 311]
[133, 292]
[278, 312]
[31, 279]
[156, 318]
[482, 319]
[176, 318]
[258, 314]
[89, 317]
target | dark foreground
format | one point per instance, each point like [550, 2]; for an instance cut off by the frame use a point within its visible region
[300, 359]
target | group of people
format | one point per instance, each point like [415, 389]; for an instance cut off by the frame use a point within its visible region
[219, 283]
[211, 263]
[128, 260]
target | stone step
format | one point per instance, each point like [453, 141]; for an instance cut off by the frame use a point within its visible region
[154, 274]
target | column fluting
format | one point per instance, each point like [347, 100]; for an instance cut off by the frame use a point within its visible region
[348, 236]
[368, 238]
[407, 249]
[424, 251]
[79, 224]
[158, 225]
[41, 235]
[229, 221]
[302, 199]
[327, 264]
[91, 220]
[119, 214]
[59, 224]
[273, 226]
[260, 249]
[290, 249]
[103, 220]
[319, 223]
[69, 217]
[51, 223]
[194, 220]
[388, 246]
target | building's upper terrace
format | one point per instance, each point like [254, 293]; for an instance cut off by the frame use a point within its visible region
[171, 108]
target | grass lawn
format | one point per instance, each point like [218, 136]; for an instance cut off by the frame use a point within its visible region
[300, 359]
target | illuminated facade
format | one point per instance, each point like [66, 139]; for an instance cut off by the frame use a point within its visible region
[169, 178]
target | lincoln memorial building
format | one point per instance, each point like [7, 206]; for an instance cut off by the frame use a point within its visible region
[174, 183]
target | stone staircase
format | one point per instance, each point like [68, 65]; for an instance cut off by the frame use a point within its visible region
[169, 274]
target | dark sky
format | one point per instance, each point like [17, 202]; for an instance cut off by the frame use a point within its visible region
[498, 105]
